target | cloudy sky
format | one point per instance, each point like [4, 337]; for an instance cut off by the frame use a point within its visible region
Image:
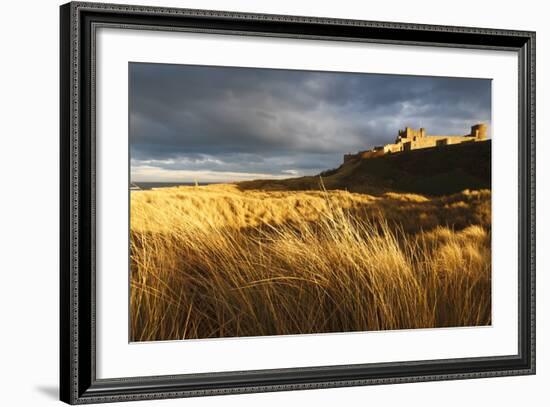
[219, 124]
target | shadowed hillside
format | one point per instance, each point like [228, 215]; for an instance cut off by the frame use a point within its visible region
[432, 171]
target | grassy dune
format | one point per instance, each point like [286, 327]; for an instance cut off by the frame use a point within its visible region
[434, 171]
[217, 261]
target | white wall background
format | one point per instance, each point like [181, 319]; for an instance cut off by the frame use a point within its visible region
[29, 163]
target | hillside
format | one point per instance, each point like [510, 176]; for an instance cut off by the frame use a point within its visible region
[431, 171]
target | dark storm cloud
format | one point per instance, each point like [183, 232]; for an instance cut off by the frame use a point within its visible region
[197, 118]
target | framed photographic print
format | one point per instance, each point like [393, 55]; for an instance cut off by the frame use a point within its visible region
[256, 203]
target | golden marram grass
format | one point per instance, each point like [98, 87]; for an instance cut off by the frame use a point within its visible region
[217, 261]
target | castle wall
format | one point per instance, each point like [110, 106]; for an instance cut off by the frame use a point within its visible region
[411, 139]
[459, 139]
[412, 133]
[434, 141]
[393, 148]
[425, 142]
[373, 153]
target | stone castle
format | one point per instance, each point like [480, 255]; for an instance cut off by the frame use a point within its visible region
[412, 139]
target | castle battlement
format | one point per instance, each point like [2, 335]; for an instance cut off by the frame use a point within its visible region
[410, 139]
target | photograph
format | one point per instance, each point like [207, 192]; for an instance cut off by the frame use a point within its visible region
[288, 202]
[288, 198]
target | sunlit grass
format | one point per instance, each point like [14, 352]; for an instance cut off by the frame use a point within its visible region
[216, 262]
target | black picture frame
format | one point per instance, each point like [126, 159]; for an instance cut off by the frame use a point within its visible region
[78, 382]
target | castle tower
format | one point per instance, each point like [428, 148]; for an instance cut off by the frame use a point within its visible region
[422, 132]
[479, 131]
